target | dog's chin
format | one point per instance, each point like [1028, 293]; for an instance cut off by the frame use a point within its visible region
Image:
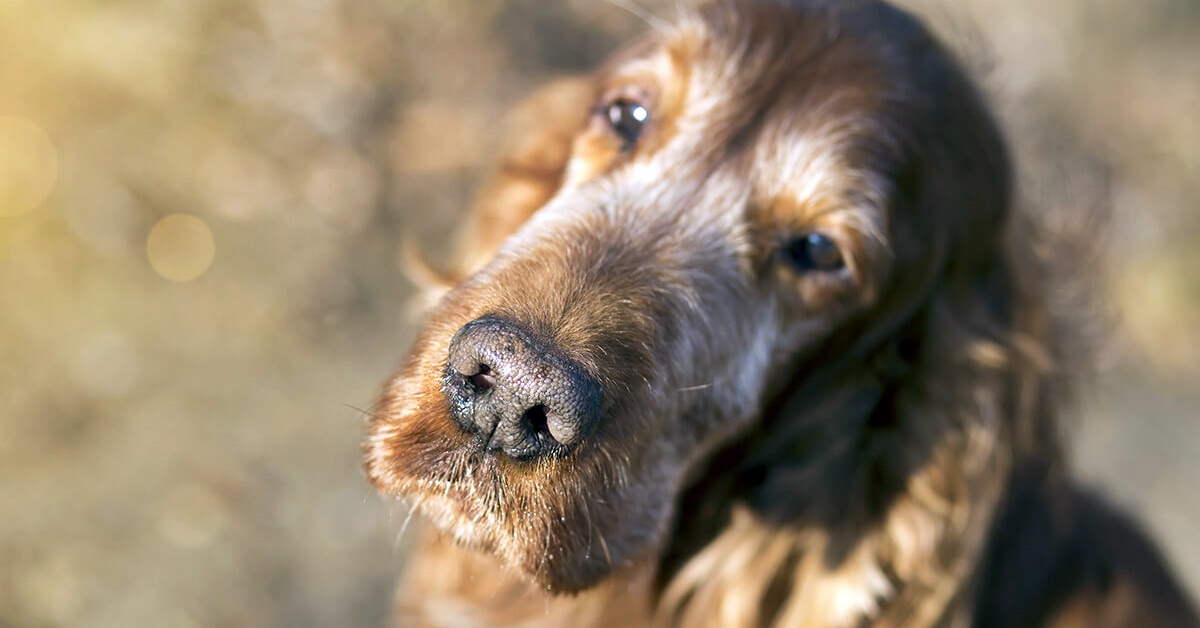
[558, 550]
[563, 525]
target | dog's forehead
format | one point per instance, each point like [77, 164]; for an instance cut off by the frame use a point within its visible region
[794, 109]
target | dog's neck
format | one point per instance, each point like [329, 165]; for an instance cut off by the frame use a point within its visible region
[855, 514]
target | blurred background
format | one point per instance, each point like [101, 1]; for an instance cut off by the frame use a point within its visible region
[201, 210]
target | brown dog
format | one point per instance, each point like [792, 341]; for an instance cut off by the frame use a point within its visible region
[746, 332]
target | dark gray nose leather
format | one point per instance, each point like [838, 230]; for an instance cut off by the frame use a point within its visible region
[519, 395]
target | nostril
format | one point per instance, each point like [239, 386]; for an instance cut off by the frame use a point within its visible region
[538, 420]
[517, 393]
[483, 380]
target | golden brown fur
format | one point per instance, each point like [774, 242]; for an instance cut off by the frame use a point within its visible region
[780, 444]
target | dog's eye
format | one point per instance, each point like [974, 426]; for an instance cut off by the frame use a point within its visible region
[814, 252]
[627, 117]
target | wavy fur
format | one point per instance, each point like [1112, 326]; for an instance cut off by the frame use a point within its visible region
[779, 447]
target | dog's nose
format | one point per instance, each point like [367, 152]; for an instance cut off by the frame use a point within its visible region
[518, 394]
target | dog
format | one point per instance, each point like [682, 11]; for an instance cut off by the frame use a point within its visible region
[748, 330]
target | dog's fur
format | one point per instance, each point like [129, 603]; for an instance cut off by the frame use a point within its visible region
[875, 445]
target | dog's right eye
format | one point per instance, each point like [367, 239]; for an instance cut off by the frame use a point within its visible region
[627, 118]
[814, 252]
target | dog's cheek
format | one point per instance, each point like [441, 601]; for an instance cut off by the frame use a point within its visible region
[730, 398]
[402, 450]
[411, 436]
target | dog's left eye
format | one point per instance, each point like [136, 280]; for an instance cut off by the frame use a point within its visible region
[627, 118]
[814, 252]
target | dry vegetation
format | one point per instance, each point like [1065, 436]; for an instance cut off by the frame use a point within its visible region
[178, 437]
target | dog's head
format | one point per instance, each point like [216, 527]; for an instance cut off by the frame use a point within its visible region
[766, 192]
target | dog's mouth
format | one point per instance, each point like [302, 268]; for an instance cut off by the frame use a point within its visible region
[510, 445]
[564, 523]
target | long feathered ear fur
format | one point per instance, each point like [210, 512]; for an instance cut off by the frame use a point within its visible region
[869, 485]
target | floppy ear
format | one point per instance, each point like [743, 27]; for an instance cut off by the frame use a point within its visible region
[535, 147]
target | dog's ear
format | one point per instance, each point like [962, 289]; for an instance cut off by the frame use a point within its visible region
[535, 146]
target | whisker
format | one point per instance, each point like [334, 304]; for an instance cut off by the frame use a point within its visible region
[412, 510]
[714, 382]
[607, 555]
[366, 414]
[641, 13]
[587, 513]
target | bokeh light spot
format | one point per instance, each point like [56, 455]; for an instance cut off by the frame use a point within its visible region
[180, 247]
[28, 166]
